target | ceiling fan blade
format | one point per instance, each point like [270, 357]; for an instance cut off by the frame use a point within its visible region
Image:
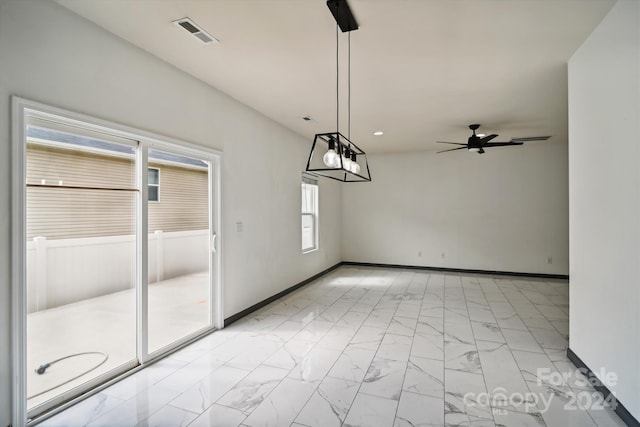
[531, 138]
[453, 149]
[501, 144]
[446, 142]
[487, 138]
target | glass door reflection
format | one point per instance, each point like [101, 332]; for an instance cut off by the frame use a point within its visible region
[80, 256]
[179, 255]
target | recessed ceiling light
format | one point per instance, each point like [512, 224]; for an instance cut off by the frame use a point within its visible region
[378, 133]
[481, 135]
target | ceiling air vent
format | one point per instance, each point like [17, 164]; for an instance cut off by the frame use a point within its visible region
[195, 30]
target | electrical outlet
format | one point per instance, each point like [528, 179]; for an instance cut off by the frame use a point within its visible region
[549, 260]
[419, 254]
[239, 227]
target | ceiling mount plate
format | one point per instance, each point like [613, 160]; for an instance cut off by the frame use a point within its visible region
[343, 15]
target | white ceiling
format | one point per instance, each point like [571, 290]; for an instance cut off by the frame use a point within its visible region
[421, 70]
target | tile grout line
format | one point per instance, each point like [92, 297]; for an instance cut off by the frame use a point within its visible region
[509, 347]
[362, 382]
[406, 367]
[532, 352]
[484, 380]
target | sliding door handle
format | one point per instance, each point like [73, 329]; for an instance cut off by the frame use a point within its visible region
[213, 243]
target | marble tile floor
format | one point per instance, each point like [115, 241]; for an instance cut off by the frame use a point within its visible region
[371, 347]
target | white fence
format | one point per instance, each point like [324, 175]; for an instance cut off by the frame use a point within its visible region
[68, 270]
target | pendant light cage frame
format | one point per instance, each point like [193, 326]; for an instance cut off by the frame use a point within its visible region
[332, 154]
[322, 143]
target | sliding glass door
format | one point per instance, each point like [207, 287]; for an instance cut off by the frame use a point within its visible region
[117, 238]
[80, 256]
[178, 209]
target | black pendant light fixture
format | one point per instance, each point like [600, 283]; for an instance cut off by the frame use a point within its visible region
[332, 154]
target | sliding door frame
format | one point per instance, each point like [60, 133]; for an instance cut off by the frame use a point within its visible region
[214, 259]
[20, 108]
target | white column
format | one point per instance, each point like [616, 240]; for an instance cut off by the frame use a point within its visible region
[159, 255]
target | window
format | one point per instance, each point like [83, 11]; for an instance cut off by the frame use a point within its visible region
[309, 219]
[154, 185]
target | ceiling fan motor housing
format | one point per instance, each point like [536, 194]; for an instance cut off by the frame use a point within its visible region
[473, 142]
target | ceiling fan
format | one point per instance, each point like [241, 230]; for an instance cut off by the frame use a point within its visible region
[477, 143]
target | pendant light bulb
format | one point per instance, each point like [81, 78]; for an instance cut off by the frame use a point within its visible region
[331, 158]
[346, 163]
[355, 167]
[346, 159]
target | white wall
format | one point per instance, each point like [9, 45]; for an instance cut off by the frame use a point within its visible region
[604, 157]
[505, 210]
[50, 55]
[262, 196]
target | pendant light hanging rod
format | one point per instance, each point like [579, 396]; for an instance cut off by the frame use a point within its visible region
[337, 82]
